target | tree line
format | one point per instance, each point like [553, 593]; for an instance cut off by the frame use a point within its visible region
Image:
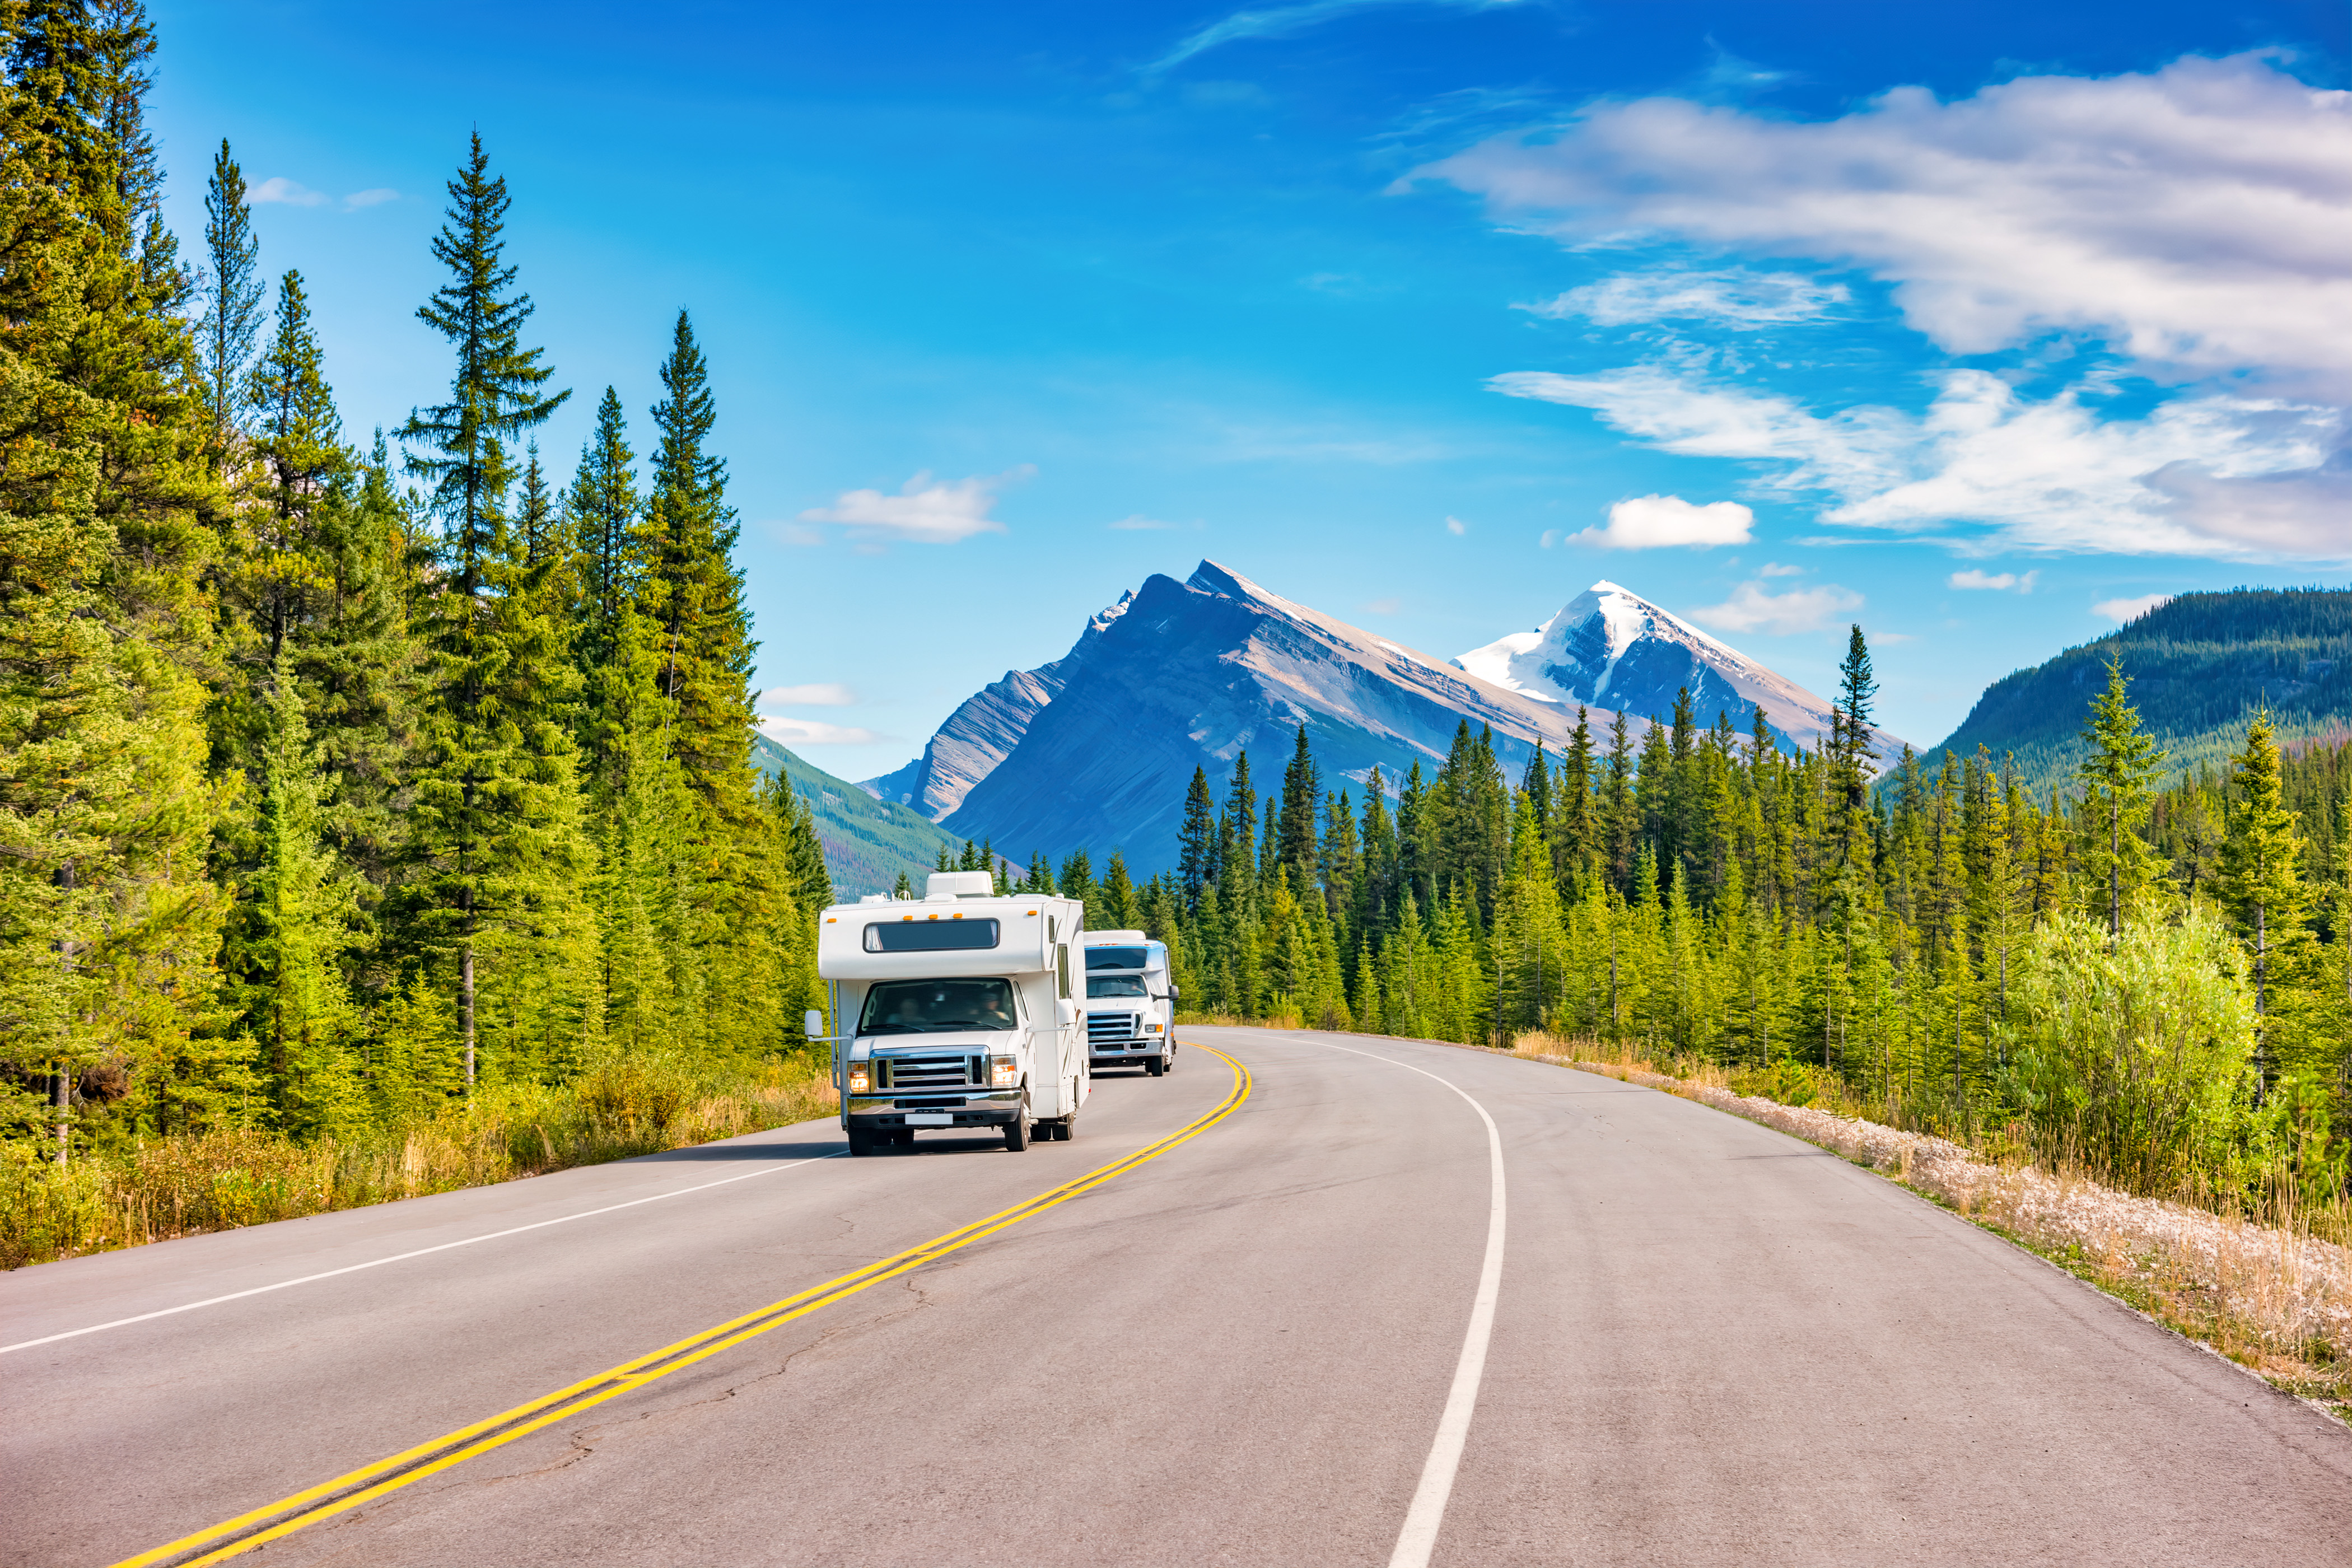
[2147, 977]
[342, 778]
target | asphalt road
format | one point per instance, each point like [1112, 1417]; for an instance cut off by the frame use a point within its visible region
[1709, 1343]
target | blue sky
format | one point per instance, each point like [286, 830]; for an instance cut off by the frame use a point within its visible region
[1960, 321]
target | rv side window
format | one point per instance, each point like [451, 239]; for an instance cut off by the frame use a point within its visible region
[1062, 965]
[932, 935]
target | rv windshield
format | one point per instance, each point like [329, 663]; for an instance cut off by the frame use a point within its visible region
[1115, 958]
[937, 1006]
[1115, 985]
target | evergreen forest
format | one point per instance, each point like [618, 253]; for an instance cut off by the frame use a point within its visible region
[379, 807]
[2143, 974]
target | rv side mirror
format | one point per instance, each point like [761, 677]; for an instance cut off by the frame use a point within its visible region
[1173, 994]
[1066, 1011]
[813, 1023]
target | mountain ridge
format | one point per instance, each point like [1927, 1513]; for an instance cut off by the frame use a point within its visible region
[2199, 665]
[1190, 673]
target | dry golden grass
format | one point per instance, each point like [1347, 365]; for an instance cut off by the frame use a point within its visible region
[179, 1187]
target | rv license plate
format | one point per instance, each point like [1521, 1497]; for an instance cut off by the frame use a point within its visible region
[930, 1119]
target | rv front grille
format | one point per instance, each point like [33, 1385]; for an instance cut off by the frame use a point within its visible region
[924, 1072]
[1106, 1026]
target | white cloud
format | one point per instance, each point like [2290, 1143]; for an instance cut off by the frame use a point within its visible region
[2228, 476]
[809, 732]
[1999, 582]
[1456, 527]
[1733, 298]
[2196, 216]
[1751, 609]
[799, 533]
[1651, 522]
[924, 511]
[817, 694]
[1550, 537]
[1384, 607]
[280, 189]
[1139, 523]
[1281, 21]
[1774, 569]
[2120, 610]
[284, 191]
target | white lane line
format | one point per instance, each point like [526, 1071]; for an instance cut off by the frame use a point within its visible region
[420, 1252]
[1419, 1537]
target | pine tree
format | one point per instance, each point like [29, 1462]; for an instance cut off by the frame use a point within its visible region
[107, 925]
[692, 590]
[2117, 775]
[1302, 792]
[229, 332]
[1196, 841]
[499, 858]
[2262, 884]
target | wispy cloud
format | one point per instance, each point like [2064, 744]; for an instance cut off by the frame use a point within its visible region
[1774, 569]
[1139, 523]
[1997, 582]
[2049, 475]
[2122, 610]
[1733, 297]
[925, 510]
[1388, 606]
[2193, 216]
[280, 191]
[1456, 527]
[817, 694]
[810, 733]
[1653, 522]
[1752, 609]
[1281, 21]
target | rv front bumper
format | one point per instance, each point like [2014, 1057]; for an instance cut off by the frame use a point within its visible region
[975, 1108]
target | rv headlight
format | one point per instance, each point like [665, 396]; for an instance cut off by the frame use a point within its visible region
[861, 1076]
[1004, 1072]
[1151, 1029]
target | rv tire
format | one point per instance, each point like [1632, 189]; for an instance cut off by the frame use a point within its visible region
[1156, 1066]
[862, 1142]
[1016, 1131]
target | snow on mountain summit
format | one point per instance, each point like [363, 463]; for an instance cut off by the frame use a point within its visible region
[1611, 647]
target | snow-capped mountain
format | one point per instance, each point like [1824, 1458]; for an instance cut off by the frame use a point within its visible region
[1611, 646]
[1096, 748]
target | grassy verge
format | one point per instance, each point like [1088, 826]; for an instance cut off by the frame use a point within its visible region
[2263, 1290]
[179, 1187]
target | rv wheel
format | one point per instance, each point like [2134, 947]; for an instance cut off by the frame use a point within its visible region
[1016, 1133]
[862, 1142]
[1156, 1066]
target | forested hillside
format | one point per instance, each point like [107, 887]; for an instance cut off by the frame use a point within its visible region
[2149, 984]
[2200, 665]
[868, 844]
[352, 784]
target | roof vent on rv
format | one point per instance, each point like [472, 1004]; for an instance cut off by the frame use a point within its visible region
[947, 885]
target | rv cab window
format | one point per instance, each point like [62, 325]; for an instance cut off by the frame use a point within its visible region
[937, 1006]
[1115, 985]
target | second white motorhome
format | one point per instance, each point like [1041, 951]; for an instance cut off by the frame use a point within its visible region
[1130, 1004]
[958, 1010]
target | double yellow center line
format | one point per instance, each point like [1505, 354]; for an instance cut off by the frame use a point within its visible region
[266, 1523]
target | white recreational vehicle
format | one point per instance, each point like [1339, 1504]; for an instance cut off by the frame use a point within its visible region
[956, 1011]
[1130, 1005]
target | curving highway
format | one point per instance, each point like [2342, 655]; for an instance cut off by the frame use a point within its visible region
[1315, 1299]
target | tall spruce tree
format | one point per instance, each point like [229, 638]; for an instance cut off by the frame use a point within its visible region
[107, 925]
[499, 855]
[229, 332]
[2116, 776]
[2261, 881]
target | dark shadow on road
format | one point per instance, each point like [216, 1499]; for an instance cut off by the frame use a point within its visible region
[798, 1150]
